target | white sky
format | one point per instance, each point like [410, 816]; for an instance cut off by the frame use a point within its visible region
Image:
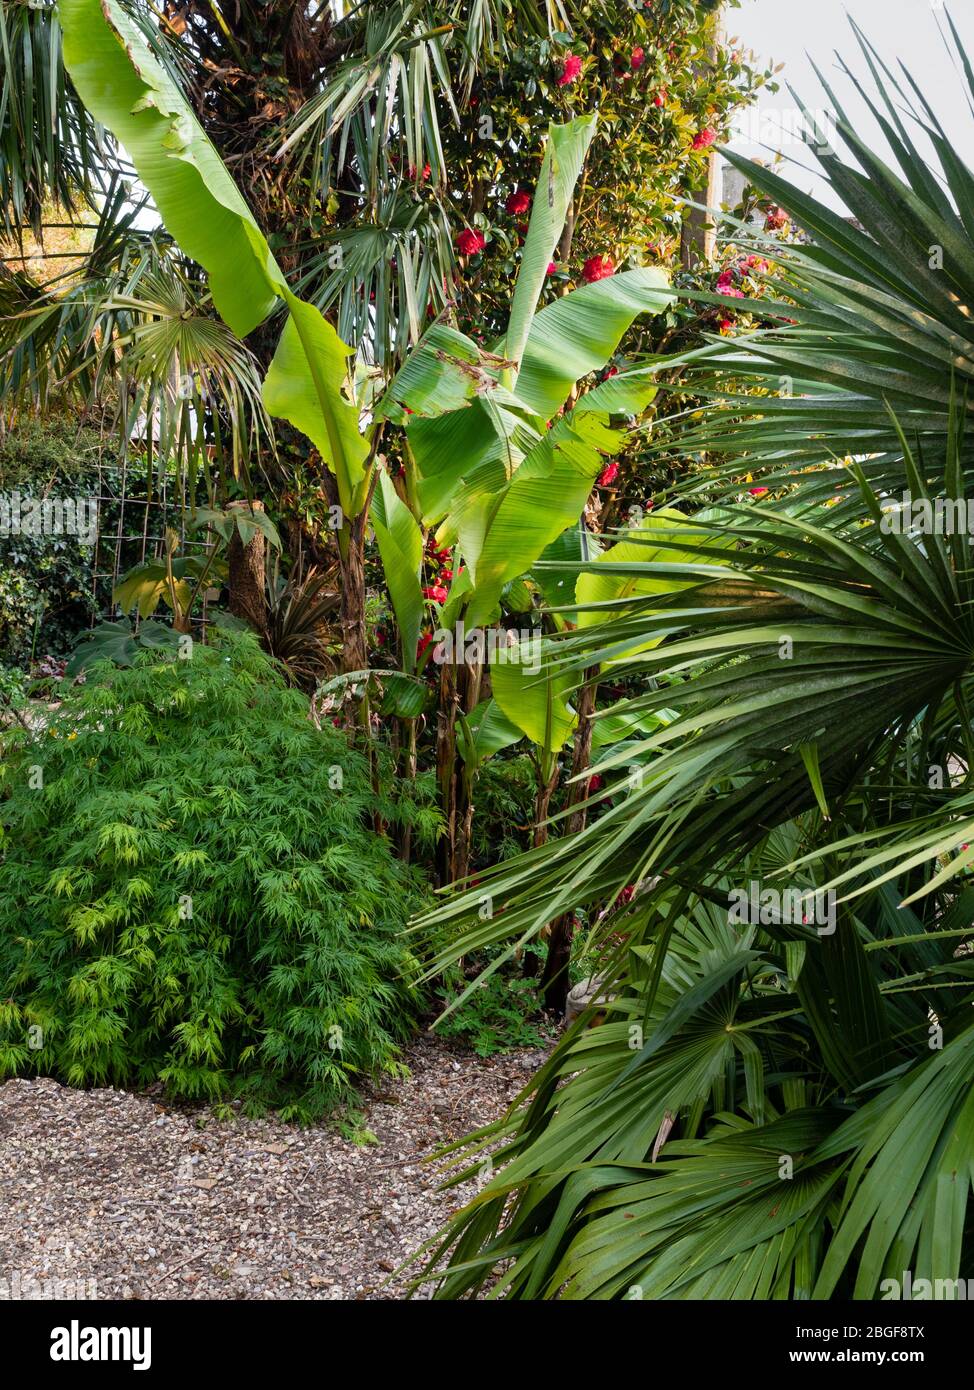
[800, 32]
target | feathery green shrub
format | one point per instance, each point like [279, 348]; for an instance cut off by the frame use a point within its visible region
[190, 891]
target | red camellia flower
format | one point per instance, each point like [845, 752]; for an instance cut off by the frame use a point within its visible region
[725, 325]
[570, 70]
[469, 242]
[660, 97]
[436, 592]
[757, 491]
[608, 475]
[725, 285]
[518, 202]
[422, 644]
[551, 268]
[775, 220]
[704, 139]
[446, 574]
[638, 58]
[597, 268]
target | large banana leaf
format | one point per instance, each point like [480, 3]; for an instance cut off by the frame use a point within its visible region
[126, 88]
[468, 433]
[477, 448]
[556, 573]
[563, 159]
[502, 534]
[603, 584]
[491, 729]
[533, 699]
[578, 333]
[304, 384]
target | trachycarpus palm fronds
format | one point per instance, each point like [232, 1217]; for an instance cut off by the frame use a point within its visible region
[779, 1103]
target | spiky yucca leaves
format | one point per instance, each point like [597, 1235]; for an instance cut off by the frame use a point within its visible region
[191, 892]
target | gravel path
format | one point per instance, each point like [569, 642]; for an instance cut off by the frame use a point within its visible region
[118, 1196]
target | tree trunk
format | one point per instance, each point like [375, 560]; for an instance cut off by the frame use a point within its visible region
[355, 655]
[554, 981]
[698, 236]
[471, 677]
[446, 758]
[246, 580]
[546, 787]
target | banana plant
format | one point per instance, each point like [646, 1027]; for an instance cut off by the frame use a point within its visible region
[504, 448]
[176, 580]
[126, 88]
[522, 477]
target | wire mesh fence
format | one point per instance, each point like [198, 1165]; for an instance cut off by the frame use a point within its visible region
[137, 506]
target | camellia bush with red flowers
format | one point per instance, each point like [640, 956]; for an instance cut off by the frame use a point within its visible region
[665, 84]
